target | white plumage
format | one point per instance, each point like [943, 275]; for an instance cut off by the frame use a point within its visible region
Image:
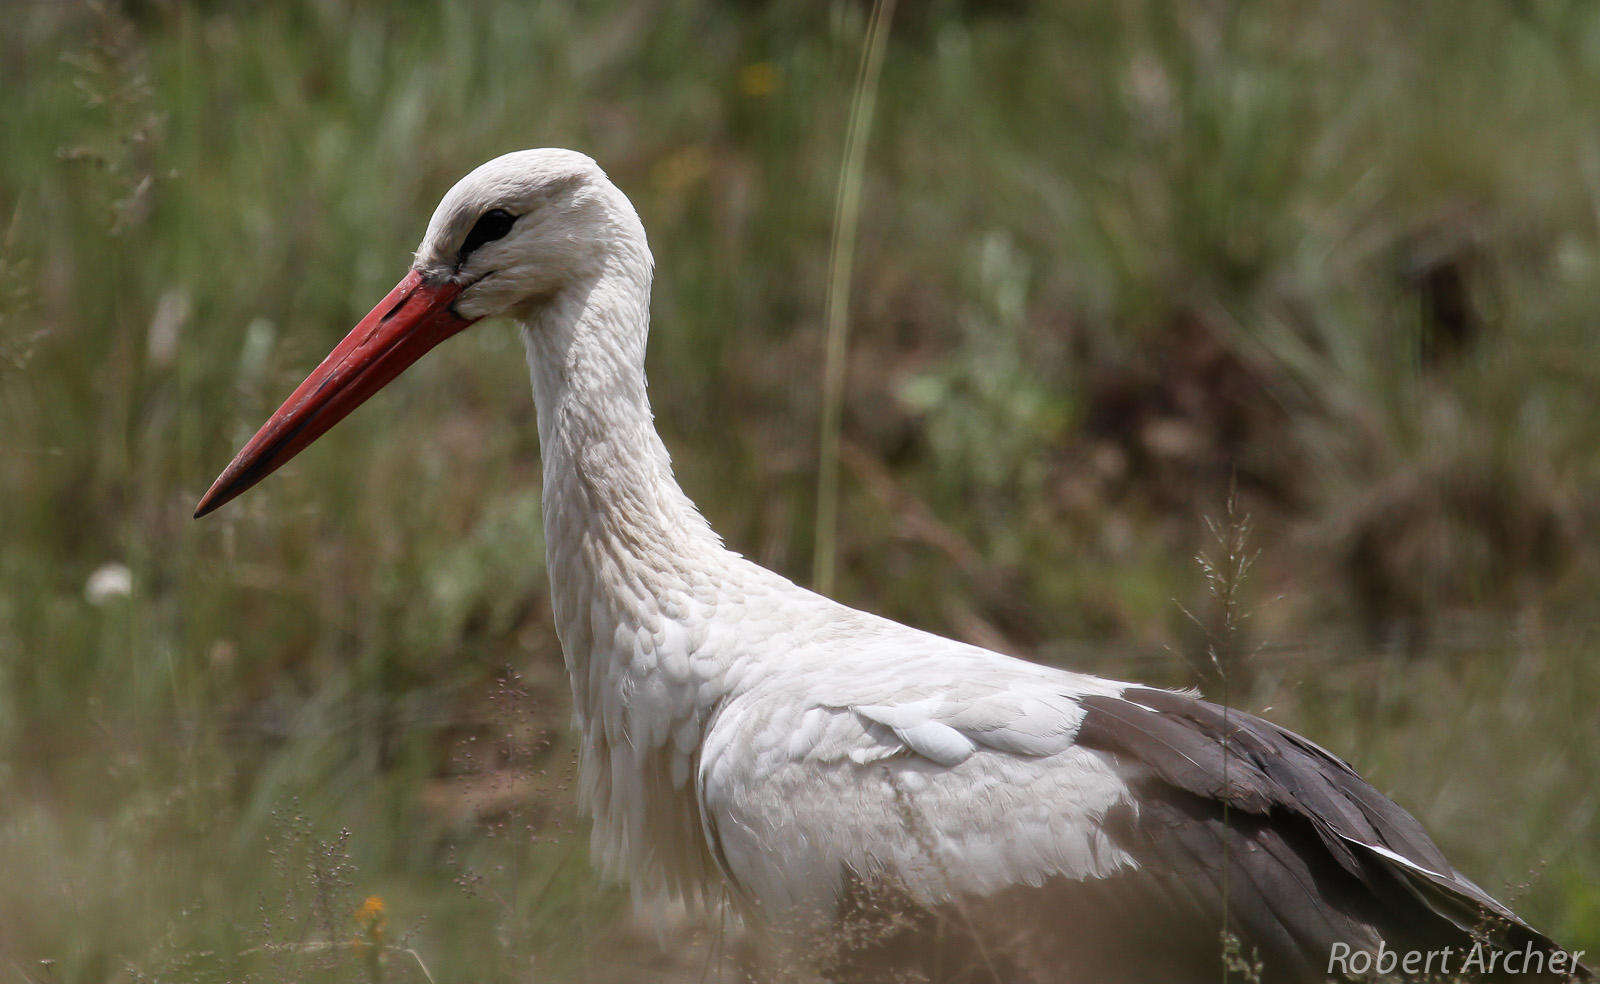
[745, 737]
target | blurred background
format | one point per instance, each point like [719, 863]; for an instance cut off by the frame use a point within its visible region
[1249, 346]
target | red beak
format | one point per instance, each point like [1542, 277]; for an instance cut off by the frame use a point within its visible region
[414, 318]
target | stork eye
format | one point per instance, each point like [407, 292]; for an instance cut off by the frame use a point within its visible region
[490, 226]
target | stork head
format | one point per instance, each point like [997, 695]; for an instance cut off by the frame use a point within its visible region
[505, 240]
[519, 228]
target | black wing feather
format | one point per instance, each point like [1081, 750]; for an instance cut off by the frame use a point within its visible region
[1315, 854]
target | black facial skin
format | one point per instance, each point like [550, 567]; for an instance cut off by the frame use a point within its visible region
[490, 226]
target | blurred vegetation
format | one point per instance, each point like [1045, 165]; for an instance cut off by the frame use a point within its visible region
[1115, 260]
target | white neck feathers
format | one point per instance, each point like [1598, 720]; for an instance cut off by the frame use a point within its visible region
[633, 570]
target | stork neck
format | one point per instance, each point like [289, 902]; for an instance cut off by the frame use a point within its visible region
[620, 533]
[632, 565]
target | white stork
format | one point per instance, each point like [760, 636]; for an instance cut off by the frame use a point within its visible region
[747, 739]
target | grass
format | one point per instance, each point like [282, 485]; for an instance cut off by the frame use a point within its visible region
[1112, 257]
[841, 260]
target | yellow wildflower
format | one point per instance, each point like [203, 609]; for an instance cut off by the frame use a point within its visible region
[373, 919]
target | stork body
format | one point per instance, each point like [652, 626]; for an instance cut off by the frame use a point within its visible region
[747, 738]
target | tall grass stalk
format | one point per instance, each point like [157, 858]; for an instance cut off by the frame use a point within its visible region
[840, 263]
[1227, 566]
